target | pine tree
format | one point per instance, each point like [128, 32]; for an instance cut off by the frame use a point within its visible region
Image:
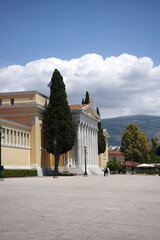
[60, 124]
[101, 137]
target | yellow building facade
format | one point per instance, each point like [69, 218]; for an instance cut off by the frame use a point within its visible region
[23, 142]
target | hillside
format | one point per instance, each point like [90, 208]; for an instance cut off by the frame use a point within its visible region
[150, 125]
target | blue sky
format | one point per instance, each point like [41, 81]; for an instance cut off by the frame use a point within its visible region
[66, 29]
[110, 48]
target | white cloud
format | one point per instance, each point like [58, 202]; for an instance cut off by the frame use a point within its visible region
[118, 85]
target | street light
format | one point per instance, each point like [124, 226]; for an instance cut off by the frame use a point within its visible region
[132, 163]
[114, 158]
[85, 152]
[1, 167]
[55, 157]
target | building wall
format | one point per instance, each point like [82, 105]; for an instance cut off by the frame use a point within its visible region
[118, 157]
[15, 157]
[15, 144]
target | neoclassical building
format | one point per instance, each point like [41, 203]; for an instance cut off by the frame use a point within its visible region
[24, 135]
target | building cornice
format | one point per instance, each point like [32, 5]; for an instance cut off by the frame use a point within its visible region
[7, 123]
[23, 93]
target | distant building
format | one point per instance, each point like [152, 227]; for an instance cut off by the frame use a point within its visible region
[119, 156]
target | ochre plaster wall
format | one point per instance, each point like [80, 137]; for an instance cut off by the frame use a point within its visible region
[15, 156]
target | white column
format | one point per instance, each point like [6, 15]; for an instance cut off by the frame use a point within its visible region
[92, 149]
[78, 144]
[93, 145]
[83, 143]
[88, 145]
[96, 147]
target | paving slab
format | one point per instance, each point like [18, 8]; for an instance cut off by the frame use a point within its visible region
[118, 207]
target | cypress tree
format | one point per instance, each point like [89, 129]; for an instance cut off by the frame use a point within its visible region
[87, 98]
[83, 102]
[60, 124]
[101, 137]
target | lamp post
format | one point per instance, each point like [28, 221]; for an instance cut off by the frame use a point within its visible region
[1, 167]
[85, 152]
[132, 163]
[55, 157]
[114, 158]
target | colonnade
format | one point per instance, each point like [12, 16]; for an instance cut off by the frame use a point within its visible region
[15, 138]
[87, 136]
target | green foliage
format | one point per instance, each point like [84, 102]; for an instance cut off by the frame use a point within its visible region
[101, 137]
[157, 152]
[60, 123]
[135, 144]
[86, 100]
[66, 174]
[98, 112]
[114, 166]
[155, 143]
[147, 171]
[83, 102]
[8, 173]
[154, 158]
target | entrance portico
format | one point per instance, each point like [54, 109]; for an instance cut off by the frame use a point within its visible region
[86, 120]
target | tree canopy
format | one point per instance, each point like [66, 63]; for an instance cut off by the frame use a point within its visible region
[60, 124]
[135, 144]
[86, 100]
[114, 166]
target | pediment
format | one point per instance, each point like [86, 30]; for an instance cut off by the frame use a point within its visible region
[91, 112]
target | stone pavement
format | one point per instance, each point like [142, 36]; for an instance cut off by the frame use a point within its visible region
[94, 207]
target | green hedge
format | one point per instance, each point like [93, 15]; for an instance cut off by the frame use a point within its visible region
[147, 171]
[65, 174]
[8, 173]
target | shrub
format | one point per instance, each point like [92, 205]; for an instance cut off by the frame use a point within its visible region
[65, 174]
[147, 171]
[8, 173]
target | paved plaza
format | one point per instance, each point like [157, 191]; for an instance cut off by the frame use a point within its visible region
[75, 208]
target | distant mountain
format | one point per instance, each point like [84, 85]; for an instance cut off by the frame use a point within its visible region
[150, 125]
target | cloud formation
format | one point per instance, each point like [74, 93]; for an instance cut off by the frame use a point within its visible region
[119, 86]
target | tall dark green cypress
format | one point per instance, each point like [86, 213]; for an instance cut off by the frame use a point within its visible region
[101, 137]
[83, 102]
[60, 123]
[87, 98]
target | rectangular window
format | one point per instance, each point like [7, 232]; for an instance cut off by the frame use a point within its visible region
[12, 101]
[0, 102]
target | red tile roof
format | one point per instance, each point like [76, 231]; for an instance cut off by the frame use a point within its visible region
[111, 152]
[77, 106]
[129, 163]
